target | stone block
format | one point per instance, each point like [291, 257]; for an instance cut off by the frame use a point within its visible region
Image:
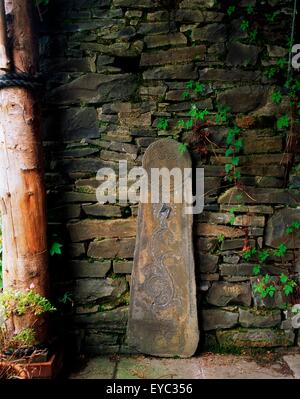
[170, 39]
[89, 290]
[112, 248]
[108, 211]
[112, 321]
[259, 318]
[173, 56]
[87, 269]
[276, 233]
[122, 267]
[259, 338]
[243, 99]
[223, 294]
[94, 88]
[172, 72]
[213, 319]
[89, 229]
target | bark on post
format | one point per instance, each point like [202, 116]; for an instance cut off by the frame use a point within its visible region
[21, 175]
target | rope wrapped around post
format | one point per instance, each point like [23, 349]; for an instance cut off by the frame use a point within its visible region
[25, 80]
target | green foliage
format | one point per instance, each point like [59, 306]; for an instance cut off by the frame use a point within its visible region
[277, 97]
[253, 35]
[22, 302]
[67, 297]
[230, 10]
[263, 255]
[250, 9]
[256, 269]
[221, 238]
[222, 114]
[280, 250]
[244, 25]
[270, 72]
[293, 227]
[249, 253]
[162, 124]
[199, 88]
[55, 249]
[24, 338]
[232, 216]
[283, 122]
[234, 146]
[272, 16]
[182, 147]
[265, 287]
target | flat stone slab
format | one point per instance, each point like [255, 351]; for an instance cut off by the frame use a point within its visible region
[100, 368]
[205, 366]
[293, 362]
[163, 313]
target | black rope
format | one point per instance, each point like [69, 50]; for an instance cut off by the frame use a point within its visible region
[24, 80]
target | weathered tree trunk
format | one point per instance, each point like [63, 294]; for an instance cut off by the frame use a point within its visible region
[22, 185]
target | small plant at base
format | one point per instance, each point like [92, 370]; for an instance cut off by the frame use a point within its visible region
[21, 302]
[24, 338]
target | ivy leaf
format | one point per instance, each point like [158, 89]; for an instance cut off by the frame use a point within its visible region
[185, 94]
[230, 10]
[277, 97]
[55, 249]
[228, 152]
[228, 167]
[283, 122]
[202, 114]
[237, 174]
[235, 161]
[181, 123]
[162, 124]
[281, 250]
[281, 62]
[182, 148]
[283, 278]
[229, 138]
[271, 290]
[288, 289]
[253, 35]
[256, 270]
[189, 124]
[238, 144]
[190, 84]
[250, 9]
[263, 255]
[244, 25]
[270, 72]
[199, 88]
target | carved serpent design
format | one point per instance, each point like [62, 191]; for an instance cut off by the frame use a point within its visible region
[159, 284]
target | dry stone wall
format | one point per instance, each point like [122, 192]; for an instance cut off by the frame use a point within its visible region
[114, 68]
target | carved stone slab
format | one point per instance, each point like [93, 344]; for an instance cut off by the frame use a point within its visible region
[163, 312]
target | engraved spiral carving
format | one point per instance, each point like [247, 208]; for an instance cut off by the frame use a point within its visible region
[159, 284]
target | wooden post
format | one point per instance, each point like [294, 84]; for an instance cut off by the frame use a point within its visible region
[22, 189]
